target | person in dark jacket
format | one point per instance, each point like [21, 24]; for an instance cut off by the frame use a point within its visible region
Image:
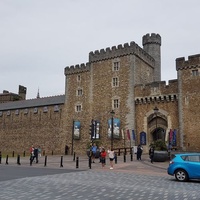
[139, 152]
[36, 154]
[151, 154]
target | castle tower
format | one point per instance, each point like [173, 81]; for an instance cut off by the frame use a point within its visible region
[22, 92]
[151, 44]
[188, 72]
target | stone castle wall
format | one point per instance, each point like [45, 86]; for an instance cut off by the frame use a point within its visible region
[22, 128]
[98, 93]
[90, 86]
[165, 97]
[189, 96]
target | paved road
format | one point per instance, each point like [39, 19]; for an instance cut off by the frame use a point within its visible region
[137, 180]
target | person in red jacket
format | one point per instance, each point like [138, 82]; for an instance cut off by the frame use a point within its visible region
[103, 157]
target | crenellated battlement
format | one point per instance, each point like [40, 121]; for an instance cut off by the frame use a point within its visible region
[121, 50]
[192, 62]
[77, 69]
[156, 91]
[151, 38]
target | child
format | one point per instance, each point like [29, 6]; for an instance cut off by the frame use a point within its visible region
[103, 157]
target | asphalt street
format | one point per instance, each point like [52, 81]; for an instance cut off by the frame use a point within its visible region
[130, 180]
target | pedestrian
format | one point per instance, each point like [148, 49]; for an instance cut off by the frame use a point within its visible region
[39, 151]
[100, 150]
[94, 151]
[103, 157]
[35, 154]
[139, 152]
[111, 155]
[31, 154]
[151, 154]
[66, 150]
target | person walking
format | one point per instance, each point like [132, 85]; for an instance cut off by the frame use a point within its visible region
[139, 152]
[39, 152]
[111, 155]
[94, 151]
[103, 157]
[151, 154]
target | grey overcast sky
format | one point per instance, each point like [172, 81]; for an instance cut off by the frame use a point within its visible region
[39, 38]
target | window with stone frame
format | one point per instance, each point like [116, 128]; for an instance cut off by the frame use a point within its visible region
[79, 78]
[116, 65]
[79, 92]
[195, 72]
[115, 82]
[115, 103]
[78, 108]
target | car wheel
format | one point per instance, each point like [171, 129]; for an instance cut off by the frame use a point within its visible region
[181, 175]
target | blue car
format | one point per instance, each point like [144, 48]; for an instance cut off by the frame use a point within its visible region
[185, 166]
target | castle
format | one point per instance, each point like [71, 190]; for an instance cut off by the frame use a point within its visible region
[121, 92]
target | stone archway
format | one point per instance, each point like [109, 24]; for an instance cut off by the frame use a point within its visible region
[157, 127]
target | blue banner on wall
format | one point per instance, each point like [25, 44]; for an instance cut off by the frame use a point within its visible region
[116, 128]
[174, 138]
[77, 126]
[143, 138]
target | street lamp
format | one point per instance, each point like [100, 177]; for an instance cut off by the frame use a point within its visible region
[156, 113]
[112, 127]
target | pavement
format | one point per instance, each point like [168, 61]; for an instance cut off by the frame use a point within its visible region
[73, 180]
[82, 163]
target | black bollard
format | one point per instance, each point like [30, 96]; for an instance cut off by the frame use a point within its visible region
[0, 157]
[61, 161]
[131, 156]
[18, 160]
[24, 153]
[124, 157]
[74, 156]
[90, 162]
[45, 161]
[7, 160]
[13, 154]
[77, 162]
[115, 158]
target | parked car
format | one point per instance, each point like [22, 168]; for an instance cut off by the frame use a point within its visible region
[185, 166]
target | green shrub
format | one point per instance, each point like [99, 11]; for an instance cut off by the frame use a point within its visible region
[159, 145]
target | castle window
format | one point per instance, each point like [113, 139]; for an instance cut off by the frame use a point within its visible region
[116, 103]
[116, 66]
[1, 113]
[79, 92]
[56, 108]
[26, 111]
[8, 113]
[78, 108]
[35, 110]
[16, 112]
[79, 78]
[45, 109]
[195, 72]
[115, 82]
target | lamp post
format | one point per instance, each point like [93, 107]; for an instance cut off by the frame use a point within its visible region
[112, 127]
[156, 113]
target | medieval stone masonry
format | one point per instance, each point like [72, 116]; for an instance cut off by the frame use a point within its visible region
[118, 90]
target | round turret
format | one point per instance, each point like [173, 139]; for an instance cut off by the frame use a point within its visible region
[151, 44]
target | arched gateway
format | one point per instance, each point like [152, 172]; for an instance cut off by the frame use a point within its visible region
[158, 125]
